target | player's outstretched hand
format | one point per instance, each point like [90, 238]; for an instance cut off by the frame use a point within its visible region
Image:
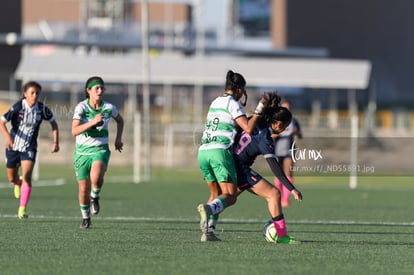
[297, 195]
[55, 147]
[119, 145]
[268, 103]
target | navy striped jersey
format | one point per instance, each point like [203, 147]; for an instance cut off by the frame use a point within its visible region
[25, 122]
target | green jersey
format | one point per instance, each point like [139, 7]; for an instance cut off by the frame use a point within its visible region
[220, 128]
[96, 136]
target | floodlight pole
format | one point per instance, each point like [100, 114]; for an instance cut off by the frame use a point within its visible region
[353, 113]
[146, 91]
[198, 14]
[137, 147]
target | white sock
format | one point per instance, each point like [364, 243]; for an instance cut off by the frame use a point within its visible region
[216, 206]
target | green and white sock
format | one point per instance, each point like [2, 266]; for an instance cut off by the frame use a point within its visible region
[95, 193]
[217, 205]
[85, 210]
[212, 222]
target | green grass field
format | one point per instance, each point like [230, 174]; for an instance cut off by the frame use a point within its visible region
[152, 228]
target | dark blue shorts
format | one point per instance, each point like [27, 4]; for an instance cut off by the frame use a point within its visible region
[247, 179]
[13, 158]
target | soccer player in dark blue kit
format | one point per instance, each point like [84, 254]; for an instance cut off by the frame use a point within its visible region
[284, 144]
[247, 147]
[25, 116]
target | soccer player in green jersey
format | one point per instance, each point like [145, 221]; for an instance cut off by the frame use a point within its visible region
[215, 155]
[90, 126]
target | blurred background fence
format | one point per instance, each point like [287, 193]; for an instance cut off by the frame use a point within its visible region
[385, 149]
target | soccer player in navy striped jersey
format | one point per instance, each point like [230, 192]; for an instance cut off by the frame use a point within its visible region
[25, 116]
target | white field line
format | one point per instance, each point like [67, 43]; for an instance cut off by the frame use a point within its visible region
[62, 181]
[248, 221]
[54, 182]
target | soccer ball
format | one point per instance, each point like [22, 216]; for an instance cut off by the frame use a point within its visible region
[269, 232]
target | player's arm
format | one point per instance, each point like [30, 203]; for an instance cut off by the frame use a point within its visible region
[247, 124]
[6, 134]
[278, 172]
[119, 130]
[78, 127]
[55, 134]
